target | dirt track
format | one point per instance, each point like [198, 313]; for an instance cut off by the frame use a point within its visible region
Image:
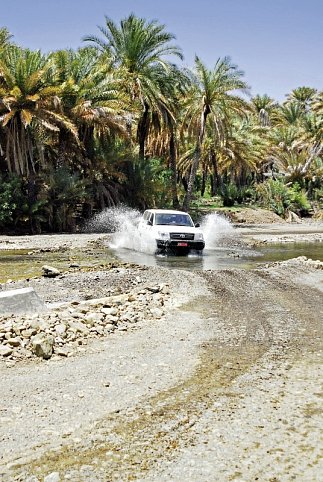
[226, 387]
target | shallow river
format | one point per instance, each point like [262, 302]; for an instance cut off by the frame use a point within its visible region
[21, 264]
[222, 258]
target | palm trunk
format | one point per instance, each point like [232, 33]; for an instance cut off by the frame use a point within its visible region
[196, 160]
[173, 167]
[191, 181]
[204, 178]
[143, 127]
[217, 180]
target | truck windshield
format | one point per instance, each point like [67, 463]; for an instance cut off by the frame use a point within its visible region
[174, 219]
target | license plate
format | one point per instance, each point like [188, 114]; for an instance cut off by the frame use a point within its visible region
[181, 244]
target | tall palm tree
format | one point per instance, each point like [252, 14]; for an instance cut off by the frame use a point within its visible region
[141, 49]
[91, 97]
[211, 99]
[302, 96]
[28, 107]
[265, 106]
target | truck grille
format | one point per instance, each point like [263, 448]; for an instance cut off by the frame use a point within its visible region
[182, 236]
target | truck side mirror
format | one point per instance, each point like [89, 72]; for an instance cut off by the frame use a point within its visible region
[197, 225]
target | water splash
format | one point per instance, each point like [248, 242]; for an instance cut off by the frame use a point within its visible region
[216, 230]
[122, 222]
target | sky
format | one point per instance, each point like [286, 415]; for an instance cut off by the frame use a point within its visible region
[277, 43]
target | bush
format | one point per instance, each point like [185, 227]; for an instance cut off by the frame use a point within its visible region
[229, 194]
[278, 197]
[11, 198]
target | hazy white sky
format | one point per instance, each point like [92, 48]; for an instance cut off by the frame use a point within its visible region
[278, 43]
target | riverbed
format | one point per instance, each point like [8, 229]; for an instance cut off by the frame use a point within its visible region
[224, 386]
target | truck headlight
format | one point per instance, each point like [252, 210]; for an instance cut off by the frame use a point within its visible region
[199, 237]
[163, 235]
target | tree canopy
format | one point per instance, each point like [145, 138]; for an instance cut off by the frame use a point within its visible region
[121, 120]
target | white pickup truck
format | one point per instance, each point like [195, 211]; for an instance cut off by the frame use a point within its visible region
[174, 231]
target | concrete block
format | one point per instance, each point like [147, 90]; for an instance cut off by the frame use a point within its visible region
[24, 300]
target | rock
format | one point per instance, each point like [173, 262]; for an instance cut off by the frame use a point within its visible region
[109, 311]
[78, 327]
[24, 300]
[109, 327]
[5, 350]
[14, 341]
[131, 298]
[50, 272]
[62, 351]
[42, 345]
[156, 312]
[60, 329]
[53, 477]
[93, 318]
[153, 289]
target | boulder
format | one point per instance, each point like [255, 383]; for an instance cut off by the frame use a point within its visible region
[42, 345]
[50, 272]
[23, 300]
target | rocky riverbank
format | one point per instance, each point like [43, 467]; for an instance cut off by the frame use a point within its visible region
[66, 329]
[164, 374]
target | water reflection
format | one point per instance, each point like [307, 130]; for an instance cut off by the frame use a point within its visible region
[222, 258]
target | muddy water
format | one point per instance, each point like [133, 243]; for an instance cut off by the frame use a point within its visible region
[223, 257]
[23, 264]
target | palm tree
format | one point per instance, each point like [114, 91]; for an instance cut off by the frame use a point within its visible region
[302, 96]
[291, 113]
[265, 106]
[5, 38]
[211, 99]
[28, 107]
[91, 97]
[141, 50]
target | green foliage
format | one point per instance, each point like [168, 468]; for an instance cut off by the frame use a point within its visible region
[229, 194]
[10, 198]
[232, 194]
[66, 192]
[299, 202]
[280, 198]
[101, 125]
[149, 183]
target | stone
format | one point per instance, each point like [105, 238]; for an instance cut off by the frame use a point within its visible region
[24, 300]
[156, 312]
[62, 351]
[153, 289]
[109, 311]
[53, 477]
[42, 345]
[92, 318]
[5, 350]
[14, 341]
[60, 329]
[50, 272]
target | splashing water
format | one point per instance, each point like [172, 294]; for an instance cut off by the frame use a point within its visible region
[216, 230]
[123, 222]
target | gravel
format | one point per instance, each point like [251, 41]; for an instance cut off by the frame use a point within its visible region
[220, 383]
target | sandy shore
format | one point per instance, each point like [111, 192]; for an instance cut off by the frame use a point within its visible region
[224, 387]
